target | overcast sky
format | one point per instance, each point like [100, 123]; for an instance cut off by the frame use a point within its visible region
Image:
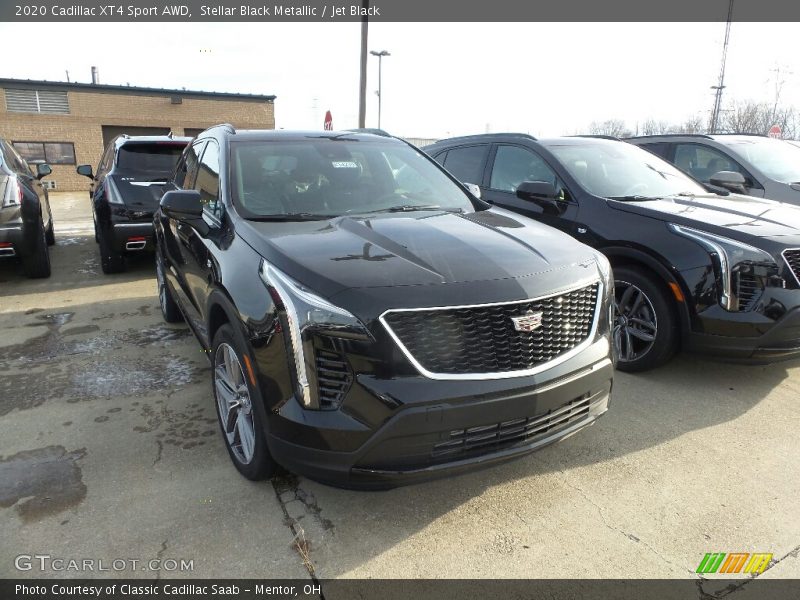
[441, 79]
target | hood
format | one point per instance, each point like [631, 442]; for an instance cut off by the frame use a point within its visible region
[140, 193]
[745, 214]
[414, 249]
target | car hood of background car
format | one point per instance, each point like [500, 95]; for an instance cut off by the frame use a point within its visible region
[744, 214]
[141, 192]
[421, 248]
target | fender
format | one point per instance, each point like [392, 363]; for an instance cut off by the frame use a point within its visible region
[666, 272]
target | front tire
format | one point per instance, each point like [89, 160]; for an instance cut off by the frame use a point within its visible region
[236, 400]
[37, 265]
[645, 328]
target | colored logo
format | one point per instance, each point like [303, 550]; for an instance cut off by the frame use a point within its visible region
[734, 562]
[527, 322]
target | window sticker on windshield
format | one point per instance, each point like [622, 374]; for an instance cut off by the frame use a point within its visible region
[344, 164]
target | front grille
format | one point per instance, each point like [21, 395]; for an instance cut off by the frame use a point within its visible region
[748, 290]
[333, 378]
[486, 438]
[792, 258]
[483, 339]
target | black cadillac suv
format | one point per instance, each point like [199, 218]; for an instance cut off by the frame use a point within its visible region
[369, 332]
[125, 191]
[26, 223]
[695, 267]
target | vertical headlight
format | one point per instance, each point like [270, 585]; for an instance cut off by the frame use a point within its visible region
[308, 314]
[734, 260]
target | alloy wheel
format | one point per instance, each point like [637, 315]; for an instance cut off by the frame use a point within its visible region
[635, 326]
[234, 404]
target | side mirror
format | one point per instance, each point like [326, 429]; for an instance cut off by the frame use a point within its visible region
[730, 180]
[473, 189]
[185, 206]
[542, 193]
[43, 170]
[85, 170]
[182, 205]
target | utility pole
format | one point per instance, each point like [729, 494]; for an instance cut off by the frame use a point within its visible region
[721, 85]
[362, 86]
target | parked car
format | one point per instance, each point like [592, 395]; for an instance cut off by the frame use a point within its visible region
[745, 164]
[125, 191]
[718, 274]
[26, 222]
[368, 335]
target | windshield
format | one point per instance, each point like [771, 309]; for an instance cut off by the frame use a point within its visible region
[777, 159]
[157, 157]
[620, 170]
[327, 178]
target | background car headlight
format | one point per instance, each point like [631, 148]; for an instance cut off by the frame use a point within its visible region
[740, 265]
[307, 314]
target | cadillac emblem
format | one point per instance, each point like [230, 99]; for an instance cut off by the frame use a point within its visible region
[528, 322]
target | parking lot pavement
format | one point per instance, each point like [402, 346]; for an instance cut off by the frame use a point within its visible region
[110, 450]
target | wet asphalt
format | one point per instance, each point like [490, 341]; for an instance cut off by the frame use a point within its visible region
[110, 450]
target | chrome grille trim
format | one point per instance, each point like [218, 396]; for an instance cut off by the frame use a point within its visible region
[794, 269]
[502, 374]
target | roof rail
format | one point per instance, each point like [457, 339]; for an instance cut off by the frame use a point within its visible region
[226, 126]
[371, 130]
[597, 136]
[655, 135]
[477, 136]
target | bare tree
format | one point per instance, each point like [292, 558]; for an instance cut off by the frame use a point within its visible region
[653, 127]
[612, 127]
[759, 117]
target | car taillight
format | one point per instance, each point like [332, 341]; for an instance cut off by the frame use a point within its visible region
[13, 194]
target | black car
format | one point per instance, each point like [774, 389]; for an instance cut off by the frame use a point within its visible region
[711, 272]
[368, 333]
[125, 191]
[26, 223]
[747, 164]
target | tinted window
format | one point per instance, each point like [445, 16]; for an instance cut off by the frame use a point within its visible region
[207, 182]
[331, 178]
[513, 165]
[701, 162]
[158, 158]
[775, 158]
[621, 170]
[658, 148]
[466, 164]
[187, 168]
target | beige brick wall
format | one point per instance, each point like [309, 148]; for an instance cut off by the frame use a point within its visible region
[89, 111]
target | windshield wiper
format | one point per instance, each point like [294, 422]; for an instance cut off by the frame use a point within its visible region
[299, 216]
[634, 198]
[413, 207]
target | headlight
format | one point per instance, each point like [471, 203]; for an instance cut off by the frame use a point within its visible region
[740, 265]
[307, 314]
[12, 196]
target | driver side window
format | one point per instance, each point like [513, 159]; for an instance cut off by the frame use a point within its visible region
[513, 165]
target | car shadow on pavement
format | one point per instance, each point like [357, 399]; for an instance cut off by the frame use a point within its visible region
[75, 263]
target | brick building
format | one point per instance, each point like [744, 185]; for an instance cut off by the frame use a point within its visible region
[68, 124]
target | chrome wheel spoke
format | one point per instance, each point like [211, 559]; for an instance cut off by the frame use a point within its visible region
[246, 435]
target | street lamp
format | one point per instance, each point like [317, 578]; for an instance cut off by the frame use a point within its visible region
[380, 56]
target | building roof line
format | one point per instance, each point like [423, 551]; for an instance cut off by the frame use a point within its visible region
[126, 89]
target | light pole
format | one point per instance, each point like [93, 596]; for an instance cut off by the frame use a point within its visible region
[380, 56]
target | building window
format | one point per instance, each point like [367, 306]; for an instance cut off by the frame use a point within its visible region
[37, 101]
[54, 153]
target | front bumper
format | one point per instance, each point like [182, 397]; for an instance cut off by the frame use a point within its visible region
[14, 235]
[770, 341]
[457, 427]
